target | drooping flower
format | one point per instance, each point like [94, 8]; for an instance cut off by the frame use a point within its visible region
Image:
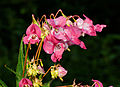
[25, 82]
[33, 33]
[58, 51]
[49, 43]
[87, 27]
[53, 46]
[73, 33]
[97, 83]
[40, 70]
[61, 72]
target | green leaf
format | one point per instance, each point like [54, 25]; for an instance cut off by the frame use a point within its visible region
[20, 64]
[2, 84]
[47, 84]
[17, 75]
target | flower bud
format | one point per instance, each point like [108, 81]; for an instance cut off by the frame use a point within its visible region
[61, 72]
[40, 70]
[54, 73]
[30, 71]
[25, 82]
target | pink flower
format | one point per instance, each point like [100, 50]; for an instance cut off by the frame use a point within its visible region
[58, 51]
[87, 27]
[58, 22]
[49, 43]
[61, 72]
[41, 70]
[97, 83]
[33, 33]
[53, 46]
[58, 27]
[25, 82]
[60, 34]
[73, 33]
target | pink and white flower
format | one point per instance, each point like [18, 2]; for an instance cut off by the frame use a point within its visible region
[87, 27]
[61, 72]
[33, 33]
[53, 46]
[58, 51]
[41, 70]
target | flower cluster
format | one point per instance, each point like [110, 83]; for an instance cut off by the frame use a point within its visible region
[34, 70]
[60, 33]
[57, 35]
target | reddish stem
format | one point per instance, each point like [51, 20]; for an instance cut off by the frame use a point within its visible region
[25, 59]
[46, 72]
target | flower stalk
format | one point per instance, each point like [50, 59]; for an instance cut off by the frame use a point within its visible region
[26, 59]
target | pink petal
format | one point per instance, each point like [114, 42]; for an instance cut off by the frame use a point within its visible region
[97, 83]
[76, 41]
[51, 22]
[76, 31]
[61, 72]
[60, 35]
[33, 29]
[25, 39]
[99, 27]
[79, 23]
[53, 58]
[33, 41]
[82, 45]
[38, 31]
[57, 55]
[59, 50]
[48, 46]
[51, 38]
[60, 21]
[87, 20]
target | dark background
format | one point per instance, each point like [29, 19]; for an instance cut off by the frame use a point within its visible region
[100, 61]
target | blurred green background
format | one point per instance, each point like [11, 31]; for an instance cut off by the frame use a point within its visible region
[100, 61]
